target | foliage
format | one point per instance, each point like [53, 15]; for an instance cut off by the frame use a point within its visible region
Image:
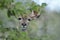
[5, 3]
[16, 9]
[20, 8]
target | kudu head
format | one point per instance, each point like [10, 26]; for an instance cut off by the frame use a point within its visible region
[24, 20]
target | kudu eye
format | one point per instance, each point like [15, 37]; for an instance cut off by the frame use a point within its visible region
[29, 19]
[19, 18]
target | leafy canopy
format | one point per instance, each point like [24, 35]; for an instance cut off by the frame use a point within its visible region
[19, 8]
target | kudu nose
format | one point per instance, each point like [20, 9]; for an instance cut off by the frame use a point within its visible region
[23, 24]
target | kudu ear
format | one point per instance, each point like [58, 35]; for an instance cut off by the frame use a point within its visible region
[34, 15]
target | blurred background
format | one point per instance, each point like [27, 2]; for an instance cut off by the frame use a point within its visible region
[46, 27]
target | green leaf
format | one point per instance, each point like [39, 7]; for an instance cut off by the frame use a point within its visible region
[44, 4]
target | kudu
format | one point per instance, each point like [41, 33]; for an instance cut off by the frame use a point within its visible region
[24, 20]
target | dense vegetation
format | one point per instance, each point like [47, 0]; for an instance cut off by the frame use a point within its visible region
[11, 9]
[14, 9]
